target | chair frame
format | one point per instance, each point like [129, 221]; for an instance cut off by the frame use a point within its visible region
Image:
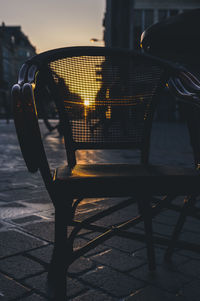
[28, 132]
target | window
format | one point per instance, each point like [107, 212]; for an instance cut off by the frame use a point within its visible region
[148, 18]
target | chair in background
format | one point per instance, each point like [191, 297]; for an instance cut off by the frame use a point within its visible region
[176, 39]
[105, 99]
[186, 89]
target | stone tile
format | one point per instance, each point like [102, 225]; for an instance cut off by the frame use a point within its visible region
[191, 291]
[19, 267]
[118, 260]
[37, 199]
[189, 236]
[10, 289]
[191, 224]
[81, 265]
[162, 278]
[79, 242]
[112, 282]
[26, 219]
[34, 297]
[118, 217]
[94, 296]
[44, 253]
[189, 254]
[39, 283]
[74, 287]
[13, 209]
[177, 259]
[13, 205]
[168, 217]
[91, 235]
[13, 242]
[124, 244]
[97, 250]
[190, 268]
[151, 293]
[162, 229]
[44, 230]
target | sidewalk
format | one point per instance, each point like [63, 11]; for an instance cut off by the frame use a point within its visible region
[114, 271]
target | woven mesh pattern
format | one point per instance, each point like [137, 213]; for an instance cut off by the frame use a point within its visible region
[107, 99]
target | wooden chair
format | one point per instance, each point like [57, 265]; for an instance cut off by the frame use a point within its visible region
[105, 99]
[186, 89]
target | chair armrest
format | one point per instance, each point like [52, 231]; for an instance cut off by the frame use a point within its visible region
[190, 81]
[185, 88]
[21, 111]
[27, 128]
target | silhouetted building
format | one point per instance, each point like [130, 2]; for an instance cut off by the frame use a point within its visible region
[125, 21]
[15, 49]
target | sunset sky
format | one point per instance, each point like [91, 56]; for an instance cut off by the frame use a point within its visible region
[56, 23]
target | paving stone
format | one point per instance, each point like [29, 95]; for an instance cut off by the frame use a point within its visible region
[151, 293]
[189, 254]
[44, 230]
[191, 291]
[177, 259]
[26, 219]
[39, 199]
[191, 224]
[79, 242]
[13, 209]
[20, 267]
[10, 289]
[91, 235]
[94, 296]
[96, 250]
[14, 205]
[112, 282]
[169, 218]
[189, 236]
[190, 268]
[118, 217]
[162, 278]
[44, 253]
[13, 242]
[34, 297]
[118, 260]
[124, 244]
[39, 283]
[81, 265]
[162, 229]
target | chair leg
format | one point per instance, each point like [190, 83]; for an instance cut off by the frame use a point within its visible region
[146, 212]
[189, 202]
[61, 258]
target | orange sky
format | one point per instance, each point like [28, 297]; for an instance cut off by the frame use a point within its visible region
[56, 23]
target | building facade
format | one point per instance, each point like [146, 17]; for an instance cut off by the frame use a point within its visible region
[125, 21]
[15, 49]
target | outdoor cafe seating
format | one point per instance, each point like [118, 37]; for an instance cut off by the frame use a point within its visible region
[105, 99]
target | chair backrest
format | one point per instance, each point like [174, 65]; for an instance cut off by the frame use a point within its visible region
[105, 97]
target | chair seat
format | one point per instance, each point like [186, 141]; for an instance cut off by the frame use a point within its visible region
[126, 179]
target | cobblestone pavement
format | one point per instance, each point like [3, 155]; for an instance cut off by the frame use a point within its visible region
[114, 271]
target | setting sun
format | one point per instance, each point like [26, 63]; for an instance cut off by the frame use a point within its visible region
[87, 102]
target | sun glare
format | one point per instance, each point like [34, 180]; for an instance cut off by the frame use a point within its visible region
[87, 102]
